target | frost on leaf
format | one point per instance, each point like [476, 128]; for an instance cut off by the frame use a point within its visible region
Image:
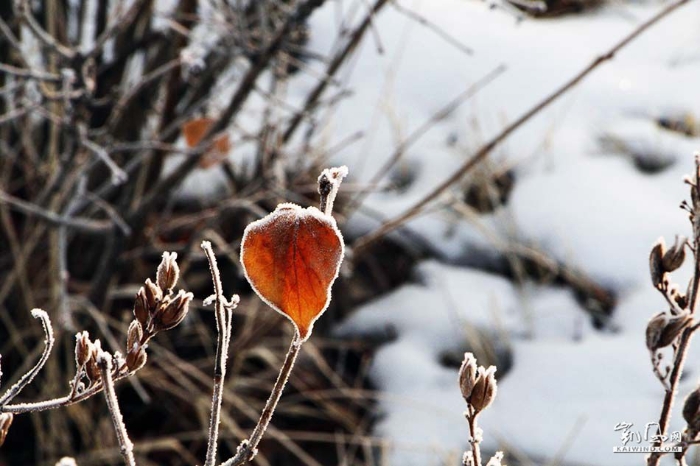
[291, 258]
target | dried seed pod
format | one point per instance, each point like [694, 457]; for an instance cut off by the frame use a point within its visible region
[168, 272]
[172, 312]
[663, 329]
[83, 348]
[141, 307]
[656, 268]
[674, 257]
[91, 368]
[467, 375]
[484, 390]
[154, 295]
[691, 410]
[136, 359]
[5, 423]
[133, 335]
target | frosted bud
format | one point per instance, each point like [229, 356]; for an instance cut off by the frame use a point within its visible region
[496, 460]
[141, 307]
[663, 329]
[172, 312]
[83, 348]
[656, 268]
[136, 358]
[168, 272]
[467, 375]
[154, 295]
[674, 257]
[133, 335]
[691, 410]
[91, 369]
[484, 390]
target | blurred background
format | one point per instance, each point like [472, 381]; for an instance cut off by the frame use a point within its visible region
[133, 127]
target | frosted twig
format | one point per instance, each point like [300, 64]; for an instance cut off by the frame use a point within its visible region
[126, 447]
[44, 36]
[333, 67]
[223, 310]
[475, 440]
[328, 186]
[84, 225]
[681, 350]
[119, 176]
[26, 379]
[249, 448]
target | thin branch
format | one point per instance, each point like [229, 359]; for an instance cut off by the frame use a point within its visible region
[423, 21]
[333, 67]
[249, 448]
[27, 378]
[223, 311]
[365, 241]
[24, 73]
[119, 176]
[47, 39]
[87, 226]
[118, 24]
[473, 429]
[126, 447]
[419, 132]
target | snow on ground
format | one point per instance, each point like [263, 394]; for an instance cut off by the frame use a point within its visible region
[578, 196]
[581, 200]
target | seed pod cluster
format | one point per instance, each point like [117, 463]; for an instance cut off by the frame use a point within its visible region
[156, 308]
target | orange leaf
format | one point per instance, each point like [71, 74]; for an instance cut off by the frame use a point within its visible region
[194, 131]
[291, 258]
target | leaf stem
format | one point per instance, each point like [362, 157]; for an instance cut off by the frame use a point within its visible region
[249, 448]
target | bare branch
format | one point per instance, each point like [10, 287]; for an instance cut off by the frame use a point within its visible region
[27, 378]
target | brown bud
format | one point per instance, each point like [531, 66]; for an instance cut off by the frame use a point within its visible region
[484, 390]
[691, 410]
[91, 368]
[154, 295]
[656, 268]
[133, 335]
[168, 272]
[172, 311]
[663, 329]
[5, 423]
[141, 309]
[136, 358]
[674, 257]
[467, 375]
[83, 348]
